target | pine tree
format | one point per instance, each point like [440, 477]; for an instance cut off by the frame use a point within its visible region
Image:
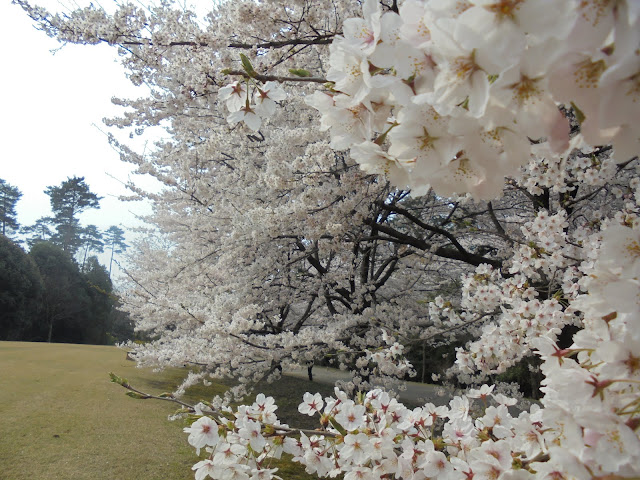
[92, 241]
[9, 196]
[114, 239]
[40, 231]
[68, 201]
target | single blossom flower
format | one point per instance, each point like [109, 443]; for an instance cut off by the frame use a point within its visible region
[311, 404]
[248, 115]
[266, 96]
[235, 95]
[203, 432]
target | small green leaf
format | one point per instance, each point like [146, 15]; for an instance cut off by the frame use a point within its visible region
[226, 71]
[580, 116]
[246, 64]
[380, 140]
[119, 380]
[299, 72]
[190, 418]
[337, 426]
[137, 395]
[166, 395]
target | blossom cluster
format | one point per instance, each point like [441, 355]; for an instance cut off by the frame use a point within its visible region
[602, 367]
[450, 94]
[263, 105]
[476, 435]
[546, 257]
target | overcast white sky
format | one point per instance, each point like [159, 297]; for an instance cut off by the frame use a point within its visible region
[50, 104]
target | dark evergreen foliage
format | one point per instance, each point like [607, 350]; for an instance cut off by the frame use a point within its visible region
[9, 196]
[46, 295]
[21, 292]
[68, 201]
[65, 302]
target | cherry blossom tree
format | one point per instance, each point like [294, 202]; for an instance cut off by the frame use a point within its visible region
[332, 170]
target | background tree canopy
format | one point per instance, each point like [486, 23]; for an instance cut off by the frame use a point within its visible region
[21, 292]
[9, 196]
[50, 294]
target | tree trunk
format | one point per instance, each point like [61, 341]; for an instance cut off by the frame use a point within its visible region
[84, 258]
[50, 330]
[111, 261]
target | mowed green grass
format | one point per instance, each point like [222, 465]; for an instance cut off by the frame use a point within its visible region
[61, 417]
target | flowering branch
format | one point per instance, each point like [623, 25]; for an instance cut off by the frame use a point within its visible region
[275, 78]
[319, 40]
[140, 395]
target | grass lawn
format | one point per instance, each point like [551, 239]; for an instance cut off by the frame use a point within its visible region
[61, 418]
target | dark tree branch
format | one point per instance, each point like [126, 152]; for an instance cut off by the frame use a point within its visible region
[277, 78]
[495, 221]
[444, 252]
[319, 40]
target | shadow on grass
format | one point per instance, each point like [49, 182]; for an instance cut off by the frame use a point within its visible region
[286, 391]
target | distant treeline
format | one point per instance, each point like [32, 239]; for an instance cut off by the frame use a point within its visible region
[44, 296]
[58, 292]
